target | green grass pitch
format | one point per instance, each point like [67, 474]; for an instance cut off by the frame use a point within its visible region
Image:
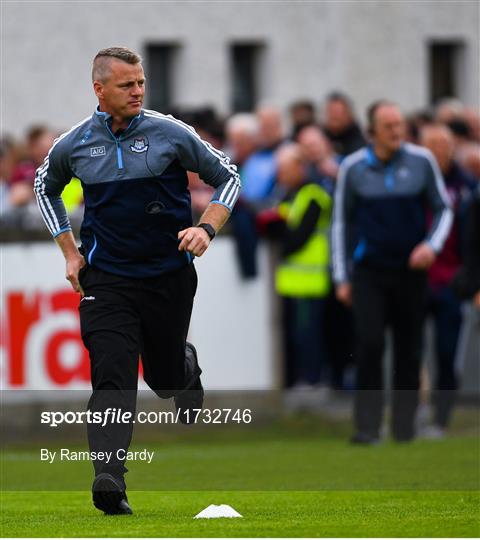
[292, 479]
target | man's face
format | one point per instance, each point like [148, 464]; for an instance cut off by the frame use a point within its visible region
[290, 169]
[39, 148]
[314, 144]
[242, 143]
[270, 127]
[337, 116]
[122, 93]
[440, 143]
[389, 128]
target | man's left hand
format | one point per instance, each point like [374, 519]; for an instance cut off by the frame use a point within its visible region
[422, 257]
[195, 240]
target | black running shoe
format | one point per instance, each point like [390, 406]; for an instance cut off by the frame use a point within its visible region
[109, 496]
[191, 397]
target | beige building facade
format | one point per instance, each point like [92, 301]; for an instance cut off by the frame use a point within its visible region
[369, 49]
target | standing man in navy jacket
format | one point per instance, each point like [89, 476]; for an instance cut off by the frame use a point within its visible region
[380, 210]
[443, 305]
[134, 269]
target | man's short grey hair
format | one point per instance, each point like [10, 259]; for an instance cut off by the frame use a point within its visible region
[101, 62]
[245, 122]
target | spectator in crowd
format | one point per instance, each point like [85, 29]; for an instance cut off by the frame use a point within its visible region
[209, 127]
[242, 137]
[322, 169]
[380, 200]
[464, 122]
[200, 193]
[260, 171]
[470, 159]
[443, 305]
[467, 280]
[322, 162]
[208, 124]
[39, 141]
[259, 187]
[467, 285]
[461, 135]
[302, 114]
[205, 121]
[18, 210]
[447, 110]
[20, 194]
[340, 125]
[18, 206]
[6, 168]
[23, 212]
[415, 122]
[302, 277]
[467, 152]
[472, 117]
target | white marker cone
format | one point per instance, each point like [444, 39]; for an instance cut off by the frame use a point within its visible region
[218, 511]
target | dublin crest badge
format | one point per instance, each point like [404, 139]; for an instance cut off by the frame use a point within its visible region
[139, 146]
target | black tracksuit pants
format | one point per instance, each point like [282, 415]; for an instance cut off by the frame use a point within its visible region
[121, 318]
[381, 297]
[446, 313]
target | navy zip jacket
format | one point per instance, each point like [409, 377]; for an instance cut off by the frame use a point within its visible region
[135, 189]
[380, 209]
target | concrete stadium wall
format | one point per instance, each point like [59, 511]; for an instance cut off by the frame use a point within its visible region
[370, 49]
[41, 348]
[235, 326]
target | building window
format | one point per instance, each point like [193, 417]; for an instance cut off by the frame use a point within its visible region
[245, 61]
[445, 63]
[160, 60]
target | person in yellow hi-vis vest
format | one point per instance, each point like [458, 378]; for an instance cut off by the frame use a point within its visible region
[72, 196]
[302, 277]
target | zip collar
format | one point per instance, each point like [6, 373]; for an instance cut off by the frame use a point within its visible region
[105, 119]
[386, 167]
[373, 160]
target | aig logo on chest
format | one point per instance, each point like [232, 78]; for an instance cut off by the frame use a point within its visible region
[97, 151]
[139, 146]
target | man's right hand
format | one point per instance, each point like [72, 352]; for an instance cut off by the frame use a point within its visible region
[73, 258]
[74, 263]
[344, 293]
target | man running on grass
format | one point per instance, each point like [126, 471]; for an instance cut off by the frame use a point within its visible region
[134, 268]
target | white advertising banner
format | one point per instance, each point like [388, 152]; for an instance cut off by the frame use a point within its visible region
[40, 344]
